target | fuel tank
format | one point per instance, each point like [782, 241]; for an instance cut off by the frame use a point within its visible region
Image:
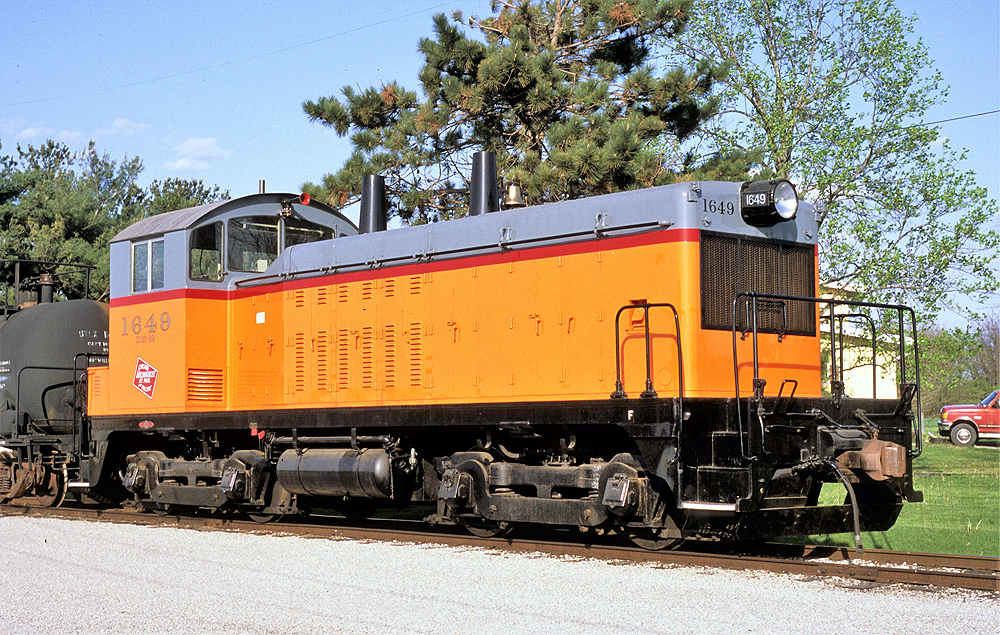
[365, 473]
[38, 348]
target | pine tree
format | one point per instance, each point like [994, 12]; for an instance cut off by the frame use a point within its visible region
[565, 92]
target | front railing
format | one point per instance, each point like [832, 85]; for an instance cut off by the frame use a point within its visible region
[753, 303]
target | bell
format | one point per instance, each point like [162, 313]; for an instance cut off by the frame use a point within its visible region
[513, 200]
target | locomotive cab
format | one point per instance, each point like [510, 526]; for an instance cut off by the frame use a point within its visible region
[171, 278]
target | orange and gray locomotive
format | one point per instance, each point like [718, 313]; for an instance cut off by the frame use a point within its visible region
[656, 362]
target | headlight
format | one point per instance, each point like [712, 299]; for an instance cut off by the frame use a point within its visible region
[767, 203]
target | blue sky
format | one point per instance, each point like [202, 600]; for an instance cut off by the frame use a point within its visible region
[214, 90]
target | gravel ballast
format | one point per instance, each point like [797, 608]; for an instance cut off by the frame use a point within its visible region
[62, 576]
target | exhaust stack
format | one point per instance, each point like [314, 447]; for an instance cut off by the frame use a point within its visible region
[483, 192]
[372, 204]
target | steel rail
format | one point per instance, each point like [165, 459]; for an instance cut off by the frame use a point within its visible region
[978, 573]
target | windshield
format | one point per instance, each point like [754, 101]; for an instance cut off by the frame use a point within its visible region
[989, 399]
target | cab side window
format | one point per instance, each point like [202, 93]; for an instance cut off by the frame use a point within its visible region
[147, 265]
[299, 231]
[253, 243]
[206, 253]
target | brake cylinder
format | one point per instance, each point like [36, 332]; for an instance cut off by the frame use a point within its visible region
[365, 473]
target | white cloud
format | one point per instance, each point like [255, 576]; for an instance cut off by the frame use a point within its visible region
[186, 164]
[11, 126]
[30, 134]
[122, 127]
[69, 137]
[197, 152]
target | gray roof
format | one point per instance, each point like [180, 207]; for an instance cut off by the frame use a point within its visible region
[191, 216]
[168, 221]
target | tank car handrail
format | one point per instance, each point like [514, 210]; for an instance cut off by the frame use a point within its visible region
[501, 245]
[79, 268]
[900, 309]
[74, 369]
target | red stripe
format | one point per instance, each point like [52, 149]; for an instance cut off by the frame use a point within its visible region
[520, 255]
[173, 294]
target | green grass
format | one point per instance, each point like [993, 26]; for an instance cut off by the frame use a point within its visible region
[961, 509]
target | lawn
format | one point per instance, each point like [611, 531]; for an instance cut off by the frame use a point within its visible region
[961, 509]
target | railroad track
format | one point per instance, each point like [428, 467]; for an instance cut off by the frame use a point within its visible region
[874, 567]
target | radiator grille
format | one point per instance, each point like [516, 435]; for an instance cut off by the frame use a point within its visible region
[204, 385]
[734, 264]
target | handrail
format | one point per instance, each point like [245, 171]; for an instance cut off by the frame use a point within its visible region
[17, 262]
[76, 379]
[840, 344]
[650, 392]
[457, 251]
[758, 384]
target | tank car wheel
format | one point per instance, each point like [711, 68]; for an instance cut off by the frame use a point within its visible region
[963, 434]
[484, 528]
[51, 491]
[650, 539]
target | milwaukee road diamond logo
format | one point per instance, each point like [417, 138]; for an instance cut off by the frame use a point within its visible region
[145, 377]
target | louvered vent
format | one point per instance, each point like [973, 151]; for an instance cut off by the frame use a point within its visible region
[368, 357]
[734, 264]
[322, 361]
[300, 362]
[343, 359]
[390, 355]
[416, 354]
[205, 385]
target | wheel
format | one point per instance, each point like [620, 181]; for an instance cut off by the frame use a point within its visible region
[485, 528]
[356, 509]
[260, 517]
[51, 492]
[963, 434]
[650, 539]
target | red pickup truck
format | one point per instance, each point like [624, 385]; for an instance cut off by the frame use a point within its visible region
[968, 423]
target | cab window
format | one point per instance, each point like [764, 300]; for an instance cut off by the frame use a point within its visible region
[298, 231]
[147, 265]
[206, 253]
[253, 243]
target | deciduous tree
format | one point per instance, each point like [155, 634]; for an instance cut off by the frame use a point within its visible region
[960, 365]
[57, 205]
[831, 94]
